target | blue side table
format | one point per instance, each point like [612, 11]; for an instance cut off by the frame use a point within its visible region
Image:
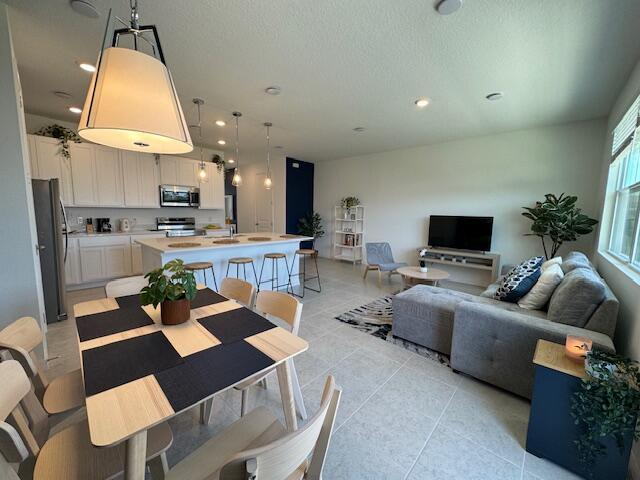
[552, 431]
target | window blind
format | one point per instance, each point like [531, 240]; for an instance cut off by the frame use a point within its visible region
[624, 130]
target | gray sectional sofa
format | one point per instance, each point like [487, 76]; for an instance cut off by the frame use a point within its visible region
[495, 341]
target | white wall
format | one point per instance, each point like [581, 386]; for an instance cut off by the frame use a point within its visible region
[21, 284]
[492, 175]
[625, 285]
[250, 167]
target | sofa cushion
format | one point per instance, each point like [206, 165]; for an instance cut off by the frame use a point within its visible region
[551, 261]
[541, 292]
[576, 298]
[575, 260]
[519, 281]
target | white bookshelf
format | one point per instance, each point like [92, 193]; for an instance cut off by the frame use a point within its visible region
[348, 233]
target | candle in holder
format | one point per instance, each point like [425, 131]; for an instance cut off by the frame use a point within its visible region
[577, 348]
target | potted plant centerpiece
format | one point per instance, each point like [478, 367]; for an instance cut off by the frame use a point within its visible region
[172, 287]
[606, 410]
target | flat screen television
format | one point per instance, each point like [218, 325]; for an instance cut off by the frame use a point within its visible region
[464, 233]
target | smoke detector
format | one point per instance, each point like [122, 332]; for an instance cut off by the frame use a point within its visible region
[273, 90]
[84, 7]
[447, 7]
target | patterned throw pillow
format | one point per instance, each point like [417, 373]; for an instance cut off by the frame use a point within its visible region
[519, 281]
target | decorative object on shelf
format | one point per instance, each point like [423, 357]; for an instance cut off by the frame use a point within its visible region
[607, 405]
[577, 348]
[202, 172]
[423, 266]
[236, 181]
[63, 134]
[146, 116]
[349, 202]
[558, 219]
[219, 162]
[311, 226]
[173, 292]
[267, 179]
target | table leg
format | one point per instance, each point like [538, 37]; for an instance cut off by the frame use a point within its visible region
[135, 461]
[404, 282]
[286, 393]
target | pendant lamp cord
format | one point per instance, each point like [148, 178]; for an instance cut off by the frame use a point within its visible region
[268, 153]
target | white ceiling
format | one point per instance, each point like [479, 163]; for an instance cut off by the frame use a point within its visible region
[343, 64]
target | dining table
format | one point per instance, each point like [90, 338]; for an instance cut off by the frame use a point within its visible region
[139, 372]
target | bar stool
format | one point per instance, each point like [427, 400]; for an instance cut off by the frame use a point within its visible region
[237, 261]
[202, 266]
[274, 257]
[304, 253]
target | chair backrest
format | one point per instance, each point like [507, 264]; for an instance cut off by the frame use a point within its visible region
[17, 442]
[281, 305]
[125, 286]
[20, 338]
[378, 253]
[243, 292]
[288, 455]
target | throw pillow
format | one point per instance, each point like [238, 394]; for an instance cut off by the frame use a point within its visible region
[541, 292]
[552, 261]
[519, 281]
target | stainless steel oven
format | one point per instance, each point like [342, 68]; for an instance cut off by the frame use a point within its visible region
[179, 196]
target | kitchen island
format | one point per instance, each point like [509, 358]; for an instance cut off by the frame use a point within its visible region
[158, 251]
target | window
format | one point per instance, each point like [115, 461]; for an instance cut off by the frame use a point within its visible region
[624, 186]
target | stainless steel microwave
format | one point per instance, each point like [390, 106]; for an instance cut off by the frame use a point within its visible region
[179, 196]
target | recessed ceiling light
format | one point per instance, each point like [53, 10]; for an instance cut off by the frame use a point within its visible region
[359, 129]
[221, 142]
[86, 8]
[447, 7]
[221, 123]
[87, 67]
[274, 90]
[495, 96]
[231, 160]
[75, 110]
[422, 102]
[61, 94]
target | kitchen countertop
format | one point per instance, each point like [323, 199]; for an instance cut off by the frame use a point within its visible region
[82, 234]
[206, 243]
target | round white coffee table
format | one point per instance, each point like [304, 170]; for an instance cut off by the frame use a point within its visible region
[413, 275]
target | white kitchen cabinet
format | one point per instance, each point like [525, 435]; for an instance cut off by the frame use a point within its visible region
[136, 259]
[49, 163]
[108, 172]
[141, 180]
[212, 191]
[117, 260]
[85, 191]
[92, 263]
[103, 258]
[178, 171]
[73, 275]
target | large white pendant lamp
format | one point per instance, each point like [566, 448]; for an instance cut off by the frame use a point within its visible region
[236, 181]
[132, 103]
[268, 183]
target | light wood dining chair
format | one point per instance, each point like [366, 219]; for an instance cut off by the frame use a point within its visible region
[67, 455]
[61, 394]
[125, 286]
[236, 289]
[257, 447]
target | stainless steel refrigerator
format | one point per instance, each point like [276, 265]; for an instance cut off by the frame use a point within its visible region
[51, 223]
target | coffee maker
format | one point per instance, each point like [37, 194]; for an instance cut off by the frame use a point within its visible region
[103, 225]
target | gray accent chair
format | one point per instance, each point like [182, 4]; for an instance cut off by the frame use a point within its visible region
[495, 341]
[380, 257]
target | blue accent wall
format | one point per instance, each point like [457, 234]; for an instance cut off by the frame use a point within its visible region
[299, 192]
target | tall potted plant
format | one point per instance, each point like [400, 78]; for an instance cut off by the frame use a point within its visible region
[311, 226]
[172, 287]
[606, 410]
[558, 219]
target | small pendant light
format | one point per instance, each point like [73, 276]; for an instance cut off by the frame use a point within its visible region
[237, 178]
[202, 172]
[132, 102]
[267, 179]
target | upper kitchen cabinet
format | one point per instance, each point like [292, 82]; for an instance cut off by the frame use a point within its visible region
[85, 192]
[141, 179]
[212, 191]
[47, 162]
[178, 171]
[97, 175]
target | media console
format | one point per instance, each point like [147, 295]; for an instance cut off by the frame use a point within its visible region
[489, 262]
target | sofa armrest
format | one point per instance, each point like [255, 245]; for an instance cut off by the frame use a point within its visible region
[497, 345]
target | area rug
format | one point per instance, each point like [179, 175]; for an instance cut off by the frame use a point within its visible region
[375, 318]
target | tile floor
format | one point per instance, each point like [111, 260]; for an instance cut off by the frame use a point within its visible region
[401, 416]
